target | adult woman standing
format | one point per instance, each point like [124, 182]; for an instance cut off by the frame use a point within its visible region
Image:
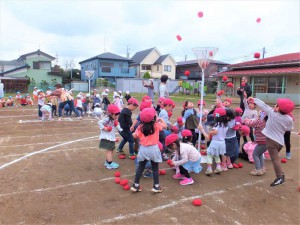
[150, 87]
[163, 90]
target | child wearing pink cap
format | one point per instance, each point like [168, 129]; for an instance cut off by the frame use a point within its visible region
[249, 113]
[217, 145]
[125, 123]
[186, 159]
[108, 126]
[148, 133]
[279, 121]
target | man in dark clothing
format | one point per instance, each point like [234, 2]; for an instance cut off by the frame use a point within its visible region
[244, 87]
[126, 124]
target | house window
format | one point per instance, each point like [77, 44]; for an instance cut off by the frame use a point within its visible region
[36, 65]
[45, 65]
[121, 65]
[167, 68]
[157, 68]
[275, 85]
[94, 65]
[260, 85]
[106, 67]
[146, 67]
[87, 66]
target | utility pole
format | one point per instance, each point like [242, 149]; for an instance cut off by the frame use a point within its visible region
[127, 52]
[264, 51]
[185, 57]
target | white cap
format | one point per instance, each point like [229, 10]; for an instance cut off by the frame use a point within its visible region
[95, 90]
[104, 94]
[78, 96]
[127, 92]
[97, 96]
[35, 88]
[107, 90]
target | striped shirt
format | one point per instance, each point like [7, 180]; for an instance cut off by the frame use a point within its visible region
[259, 125]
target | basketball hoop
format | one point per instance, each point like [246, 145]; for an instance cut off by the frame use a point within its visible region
[204, 56]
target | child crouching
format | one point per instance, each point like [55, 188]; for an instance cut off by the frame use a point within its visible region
[187, 158]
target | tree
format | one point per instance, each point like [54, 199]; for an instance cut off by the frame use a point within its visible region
[44, 84]
[53, 82]
[104, 82]
[99, 82]
[147, 75]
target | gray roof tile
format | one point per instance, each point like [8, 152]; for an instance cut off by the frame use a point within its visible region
[138, 57]
[160, 59]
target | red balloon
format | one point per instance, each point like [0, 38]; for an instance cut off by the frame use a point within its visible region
[229, 84]
[211, 54]
[225, 78]
[179, 38]
[219, 93]
[200, 14]
[187, 73]
[258, 20]
[257, 55]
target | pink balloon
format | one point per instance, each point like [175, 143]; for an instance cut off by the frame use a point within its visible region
[258, 20]
[179, 38]
[200, 14]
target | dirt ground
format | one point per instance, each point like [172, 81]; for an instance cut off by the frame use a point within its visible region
[53, 173]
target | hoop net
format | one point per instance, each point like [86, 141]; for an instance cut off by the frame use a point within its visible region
[204, 55]
[89, 74]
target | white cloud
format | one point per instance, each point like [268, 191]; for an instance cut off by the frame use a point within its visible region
[77, 29]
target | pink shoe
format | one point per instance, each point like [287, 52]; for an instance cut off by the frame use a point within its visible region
[224, 168]
[178, 176]
[230, 166]
[187, 181]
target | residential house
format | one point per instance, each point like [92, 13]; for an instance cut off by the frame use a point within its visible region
[107, 65]
[150, 60]
[270, 78]
[34, 65]
[195, 72]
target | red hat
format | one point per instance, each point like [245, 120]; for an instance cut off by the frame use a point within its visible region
[238, 110]
[219, 112]
[170, 139]
[147, 115]
[203, 102]
[245, 130]
[146, 104]
[168, 102]
[160, 146]
[113, 109]
[236, 127]
[179, 121]
[285, 105]
[133, 101]
[146, 98]
[174, 129]
[228, 100]
[250, 100]
[186, 133]
[161, 99]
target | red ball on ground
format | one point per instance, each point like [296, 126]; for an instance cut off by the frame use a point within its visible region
[197, 202]
[162, 172]
[117, 180]
[203, 146]
[299, 188]
[133, 157]
[283, 160]
[240, 165]
[124, 182]
[117, 174]
[235, 166]
[121, 156]
[126, 187]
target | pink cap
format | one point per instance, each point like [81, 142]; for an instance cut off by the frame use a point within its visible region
[133, 101]
[147, 115]
[238, 110]
[285, 105]
[146, 104]
[228, 100]
[186, 133]
[203, 102]
[245, 130]
[161, 99]
[168, 102]
[174, 129]
[250, 100]
[219, 112]
[170, 139]
[180, 121]
[113, 109]
[146, 98]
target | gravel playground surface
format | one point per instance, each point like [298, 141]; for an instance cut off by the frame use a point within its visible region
[52, 172]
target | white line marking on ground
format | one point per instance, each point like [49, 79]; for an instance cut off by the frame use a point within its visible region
[43, 135]
[5, 117]
[60, 186]
[174, 203]
[43, 150]
[67, 149]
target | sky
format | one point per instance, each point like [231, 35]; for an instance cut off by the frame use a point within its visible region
[80, 29]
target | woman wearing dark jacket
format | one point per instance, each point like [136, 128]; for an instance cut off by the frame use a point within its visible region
[244, 87]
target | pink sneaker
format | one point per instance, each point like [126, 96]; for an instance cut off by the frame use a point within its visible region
[224, 168]
[187, 181]
[178, 176]
[229, 166]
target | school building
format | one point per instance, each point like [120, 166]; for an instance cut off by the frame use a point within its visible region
[270, 78]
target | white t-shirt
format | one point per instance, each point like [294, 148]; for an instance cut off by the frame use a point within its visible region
[221, 135]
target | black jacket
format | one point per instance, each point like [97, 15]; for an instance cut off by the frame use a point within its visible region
[241, 90]
[125, 119]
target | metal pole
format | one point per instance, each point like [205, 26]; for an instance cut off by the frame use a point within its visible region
[89, 112]
[201, 107]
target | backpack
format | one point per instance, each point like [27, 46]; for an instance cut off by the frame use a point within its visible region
[191, 122]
